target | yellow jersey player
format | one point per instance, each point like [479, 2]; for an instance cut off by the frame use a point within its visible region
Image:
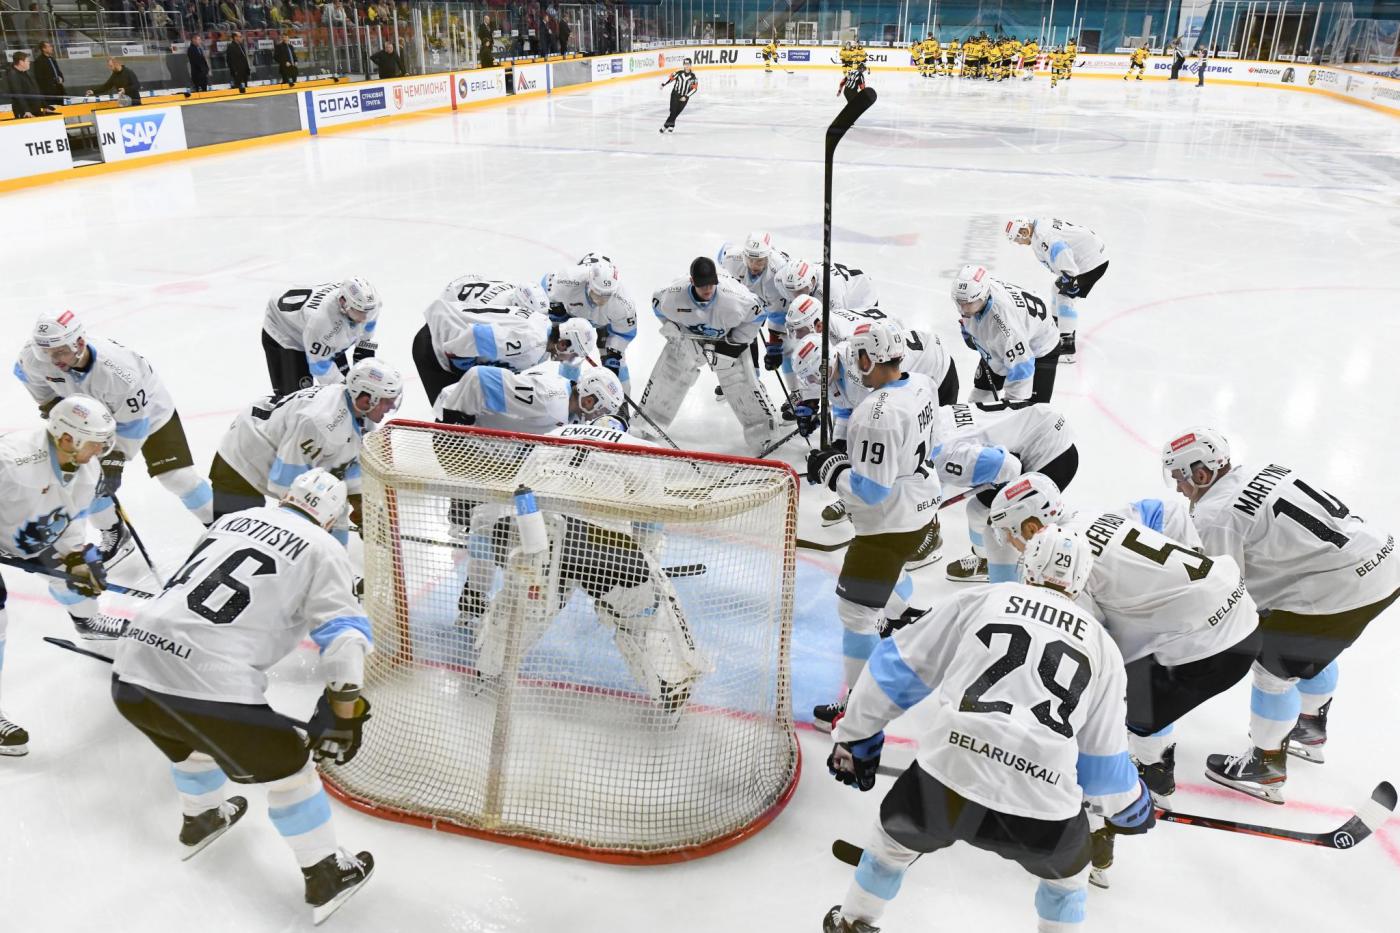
[1138, 62]
[932, 54]
[1030, 52]
[770, 55]
[847, 55]
[950, 57]
[1071, 50]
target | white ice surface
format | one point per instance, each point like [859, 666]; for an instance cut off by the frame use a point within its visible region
[1255, 245]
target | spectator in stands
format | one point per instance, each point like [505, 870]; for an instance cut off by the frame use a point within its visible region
[285, 57]
[199, 64]
[228, 13]
[338, 14]
[122, 82]
[276, 17]
[389, 62]
[255, 11]
[236, 56]
[48, 75]
[208, 13]
[22, 91]
[486, 55]
[564, 31]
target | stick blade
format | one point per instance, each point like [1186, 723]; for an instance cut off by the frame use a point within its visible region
[847, 117]
[1376, 811]
[847, 852]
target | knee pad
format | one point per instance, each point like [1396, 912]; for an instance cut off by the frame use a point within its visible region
[857, 619]
[1270, 683]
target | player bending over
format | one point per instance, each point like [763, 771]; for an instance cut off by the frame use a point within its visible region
[1320, 575]
[479, 321]
[266, 578]
[307, 332]
[592, 291]
[1075, 255]
[1014, 334]
[1027, 729]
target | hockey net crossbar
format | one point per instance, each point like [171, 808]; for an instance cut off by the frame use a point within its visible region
[575, 697]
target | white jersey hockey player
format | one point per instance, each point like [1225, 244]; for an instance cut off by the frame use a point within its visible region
[277, 439]
[1077, 258]
[990, 445]
[851, 289]
[1026, 730]
[592, 290]
[307, 331]
[61, 360]
[477, 320]
[616, 563]
[1184, 621]
[882, 473]
[535, 401]
[267, 578]
[1014, 334]
[709, 317]
[48, 480]
[756, 265]
[1320, 575]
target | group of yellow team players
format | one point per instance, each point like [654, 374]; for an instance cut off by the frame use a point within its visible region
[991, 59]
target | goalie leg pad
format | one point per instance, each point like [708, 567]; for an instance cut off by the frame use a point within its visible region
[746, 399]
[653, 636]
[675, 372]
[527, 603]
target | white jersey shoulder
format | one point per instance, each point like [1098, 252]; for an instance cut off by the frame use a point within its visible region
[42, 506]
[970, 436]
[1010, 333]
[889, 487]
[569, 287]
[480, 320]
[535, 401]
[732, 314]
[310, 320]
[259, 582]
[275, 440]
[1065, 247]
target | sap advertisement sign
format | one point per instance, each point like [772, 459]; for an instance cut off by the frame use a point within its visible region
[136, 132]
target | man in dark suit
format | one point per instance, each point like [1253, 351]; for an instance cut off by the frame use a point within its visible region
[122, 81]
[388, 61]
[21, 90]
[48, 75]
[237, 58]
[199, 65]
[285, 57]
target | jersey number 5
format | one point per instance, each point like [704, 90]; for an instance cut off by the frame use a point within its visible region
[200, 600]
[1018, 648]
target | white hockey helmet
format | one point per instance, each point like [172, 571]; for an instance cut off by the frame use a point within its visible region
[85, 420]
[807, 359]
[378, 380]
[1019, 230]
[320, 495]
[359, 299]
[971, 288]
[602, 385]
[804, 315]
[1033, 495]
[602, 278]
[533, 298]
[797, 278]
[576, 339]
[1202, 445]
[881, 343]
[58, 329]
[1059, 558]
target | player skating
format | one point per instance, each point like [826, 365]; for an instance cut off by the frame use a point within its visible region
[709, 318]
[48, 480]
[1078, 260]
[277, 439]
[1030, 54]
[1013, 332]
[60, 361]
[686, 86]
[1027, 729]
[1319, 574]
[266, 578]
[592, 290]
[770, 56]
[881, 472]
[1137, 61]
[478, 320]
[307, 331]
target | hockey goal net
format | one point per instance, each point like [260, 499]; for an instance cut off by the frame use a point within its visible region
[621, 692]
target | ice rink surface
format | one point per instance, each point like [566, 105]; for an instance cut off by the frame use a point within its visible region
[1255, 246]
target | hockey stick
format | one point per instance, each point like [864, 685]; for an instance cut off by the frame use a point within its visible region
[780, 442]
[647, 418]
[834, 133]
[67, 645]
[36, 567]
[818, 546]
[1369, 817]
[140, 545]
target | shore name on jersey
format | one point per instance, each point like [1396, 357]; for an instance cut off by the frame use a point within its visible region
[1100, 532]
[1235, 596]
[1002, 756]
[279, 539]
[1257, 490]
[1381, 555]
[158, 642]
[1053, 616]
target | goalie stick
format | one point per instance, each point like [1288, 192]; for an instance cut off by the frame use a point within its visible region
[819, 546]
[1369, 817]
[834, 133]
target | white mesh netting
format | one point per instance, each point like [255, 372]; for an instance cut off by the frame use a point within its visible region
[625, 693]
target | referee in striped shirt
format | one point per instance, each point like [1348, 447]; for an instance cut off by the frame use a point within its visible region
[686, 85]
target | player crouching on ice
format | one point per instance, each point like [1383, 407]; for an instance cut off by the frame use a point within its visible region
[1028, 727]
[197, 690]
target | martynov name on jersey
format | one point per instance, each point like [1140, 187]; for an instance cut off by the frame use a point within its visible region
[1257, 490]
[1381, 555]
[1002, 756]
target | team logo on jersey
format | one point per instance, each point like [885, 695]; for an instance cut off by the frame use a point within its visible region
[42, 532]
[1182, 441]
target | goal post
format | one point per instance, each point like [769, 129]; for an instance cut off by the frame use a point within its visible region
[621, 694]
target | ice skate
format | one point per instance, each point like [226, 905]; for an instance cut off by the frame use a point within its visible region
[14, 741]
[100, 627]
[1256, 772]
[834, 513]
[824, 717]
[199, 831]
[928, 550]
[334, 880]
[1160, 777]
[970, 569]
[1308, 737]
[1067, 351]
[1101, 846]
[833, 922]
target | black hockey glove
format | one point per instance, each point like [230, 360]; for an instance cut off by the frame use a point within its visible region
[111, 479]
[1136, 818]
[731, 350]
[558, 313]
[335, 738]
[1067, 285]
[854, 763]
[967, 339]
[612, 359]
[87, 576]
[805, 414]
[773, 355]
[825, 466]
[839, 444]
